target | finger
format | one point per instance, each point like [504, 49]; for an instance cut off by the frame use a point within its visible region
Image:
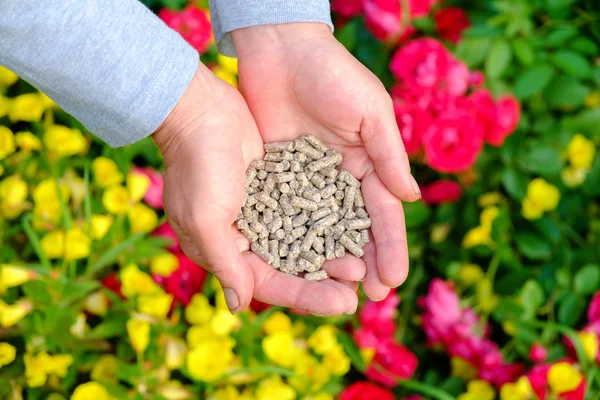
[326, 297]
[352, 285]
[372, 285]
[348, 268]
[389, 232]
[380, 134]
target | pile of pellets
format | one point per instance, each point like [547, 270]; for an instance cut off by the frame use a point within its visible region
[300, 210]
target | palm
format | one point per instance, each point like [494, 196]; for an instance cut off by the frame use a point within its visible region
[316, 86]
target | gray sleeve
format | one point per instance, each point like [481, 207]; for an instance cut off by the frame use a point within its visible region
[113, 64]
[228, 15]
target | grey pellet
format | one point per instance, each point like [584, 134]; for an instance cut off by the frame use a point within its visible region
[305, 265]
[350, 214]
[324, 162]
[364, 236]
[284, 177]
[284, 249]
[269, 184]
[329, 246]
[294, 185]
[287, 156]
[341, 185]
[286, 205]
[276, 157]
[308, 239]
[278, 147]
[251, 190]
[338, 230]
[340, 251]
[328, 191]
[325, 222]
[242, 224]
[276, 224]
[288, 239]
[286, 165]
[355, 236]
[295, 166]
[250, 235]
[279, 234]
[255, 183]
[258, 164]
[262, 174]
[312, 194]
[316, 143]
[339, 195]
[309, 174]
[349, 197]
[300, 157]
[360, 212]
[358, 200]
[260, 207]
[261, 252]
[287, 223]
[329, 172]
[302, 179]
[273, 166]
[251, 200]
[250, 175]
[320, 213]
[304, 203]
[305, 148]
[276, 194]
[351, 245]
[318, 181]
[263, 197]
[284, 188]
[351, 180]
[300, 219]
[316, 276]
[358, 224]
[329, 180]
[274, 250]
[298, 232]
[319, 245]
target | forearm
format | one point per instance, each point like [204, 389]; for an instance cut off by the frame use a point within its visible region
[115, 66]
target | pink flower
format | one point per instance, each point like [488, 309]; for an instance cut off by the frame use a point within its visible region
[366, 391]
[377, 317]
[412, 122]
[191, 23]
[153, 196]
[499, 118]
[453, 142]
[458, 79]
[538, 377]
[383, 18]
[441, 191]
[392, 362]
[165, 231]
[504, 373]
[477, 78]
[185, 281]
[420, 8]
[538, 353]
[347, 8]
[366, 338]
[442, 311]
[593, 313]
[450, 22]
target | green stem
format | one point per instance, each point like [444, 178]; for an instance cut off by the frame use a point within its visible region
[87, 205]
[427, 390]
[493, 267]
[35, 241]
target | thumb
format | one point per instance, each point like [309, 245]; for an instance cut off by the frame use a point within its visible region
[214, 243]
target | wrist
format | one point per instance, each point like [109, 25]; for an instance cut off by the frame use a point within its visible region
[275, 37]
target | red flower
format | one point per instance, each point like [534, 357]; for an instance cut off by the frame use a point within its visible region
[450, 22]
[165, 231]
[191, 23]
[377, 317]
[153, 196]
[441, 191]
[453, 142]
[185, 281]
[412, 122]
[113, 283]
[593, 313]
[508, 111]
[538, 377]
[366, 391]
[477, 78]
[347, 8]
[504, 373]
[383, 18]
[538, 353]
[392, 362]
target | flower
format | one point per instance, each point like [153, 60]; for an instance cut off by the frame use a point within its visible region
[186, 281]
[520, 390]
[470, 274]
[277, 322]
[392, 362]
[347, 8]
[7, 77]
[366, 391]
[8, 353]
[53, 244]
[77, 245]
[450, 22]
[105, 369]
[64, 141]
[224, 322]
[106, 172]
[412, 122]
[383, 18]
[91, 390]
[11, 314]
[463, 369]
[155, 304]
[453, 142]
[191, 23]
[573, 177]
[135, 282]
[209, 360]
[27, 141]
[323, 339]
[274, 388]
[141, 218]
[165, 231]
[442, 312]
[541, 196]
[36, 368]
[139, 334]
[153, 194]
[199, 311]
[116, 200]
[26, 107]
[164, 264]
[589, 341]
[478, 390]
[593, 312]
[377, 317]
[13, 195]
[499, 119]
[281, 349]
[441, 191]
[563, 377]
[7, 142]
[175, 350]
[538, 353]
[336, 361]
[580, 152]
[100, 225]
[12, 275]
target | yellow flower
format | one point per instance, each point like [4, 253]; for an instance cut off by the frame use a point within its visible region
[479, 235]
[592, 100]
[116, 200]
[470, 274]
[142, 218]
[225, 75]
[13, 193]
[486, 298]
[27, 141]
[531, 210]
[12, 275]
[80, 327]
[137, 186]
[367, 354]
[26, 107]
[323, 339]
[510, 328]
[563, 377]
[7, 77]
[310, 375]
[53, 244]
[164, 264]
[156, 305]
[229, 64]
[7, 142]
[489, 199]
[439, 232]
[463, 369]
[281, 349]
[77, 245]
[209, 360]
[59, 364]
[96, 303]
[135, 282]
[520, 390]
[274, 389]
[541, 196]
[47, 101]
[488, 215]
[105, 369]
[4, 105]
[277, 322]
[580, 151]
[64, 141]
[573, 177]
[36, 368]
[229, 392]
[198, 311]
[91, 390]
[11, 314]
[224, 322]
[100, 225]
[106, 172]
[175, 350]
[8, 353]
[336, 361]
[139, 334]
[478, 390]
[46, 192]
[589, 340]
[174, 390]
[198, 334]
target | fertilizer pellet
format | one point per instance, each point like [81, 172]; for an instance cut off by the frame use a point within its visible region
[299, 209]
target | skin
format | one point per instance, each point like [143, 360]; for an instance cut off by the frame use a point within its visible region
[294, 78]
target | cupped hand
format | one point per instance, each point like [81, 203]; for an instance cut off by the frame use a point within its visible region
[208, 141]
[297, 79]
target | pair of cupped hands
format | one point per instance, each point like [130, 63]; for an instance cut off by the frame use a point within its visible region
[294, 79]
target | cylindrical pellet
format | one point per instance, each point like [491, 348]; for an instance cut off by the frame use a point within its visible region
[261, 252]
[339, 195]
[351, 180]
[284, 188]
[287, 223]
[258, 164]
[364, 236]
[327, 221]
[279, 234]
[329, 246]
[329, 172]
[328, 191]
[338, 230]
[273, 166]
[289, 239]
[307, 149]
[320, 213]
[349, 215]
[349, 198]
[242, 224]
[284, 177]
[318, 181]
[278, 147]
[295, 166]
[302, 179]
[250, 235]
[269, 184]
[300, 219]
[300, 157]
[358, 224]
[286, 205]
[275, 157]
[284, 250]
[276, 194]
[355, 236]
[262, 174]
[361, 212]
[275, 224]
[358, 199]
[250, 175]
[340, 251]
[274, 250]
[351, 245]
[260, 207]
[267, 200]
[298, 232]
[312, 194]
[341, 185]
[308, 239]
[324, 163]
[316, 143]
[287, 156]
[305, 265]
[305, 204]
[319, 245]
[316, 276]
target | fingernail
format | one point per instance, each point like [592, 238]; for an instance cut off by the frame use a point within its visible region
[232, 299]
[415, 186]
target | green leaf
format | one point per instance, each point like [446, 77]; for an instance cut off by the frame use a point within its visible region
[549, 228]
[585, 45]
[572, 63]
[545, 161]
[523, 52]
[570, 309]
[347, 35]
[532, 246]
[533, 80]
[352, 351]
[472, 50]
[35, 241]
[566, 91]
[76, 290]
[514, 183]
[416, 213]
[498, 59]
[113, 327]
[587, 279]
[111, 255]
[559, 36]
[532, 296]
[585, 121]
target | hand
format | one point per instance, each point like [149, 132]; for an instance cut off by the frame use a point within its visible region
[208, 141]
[297, 79]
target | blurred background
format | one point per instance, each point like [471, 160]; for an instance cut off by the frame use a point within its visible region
[498, 104]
